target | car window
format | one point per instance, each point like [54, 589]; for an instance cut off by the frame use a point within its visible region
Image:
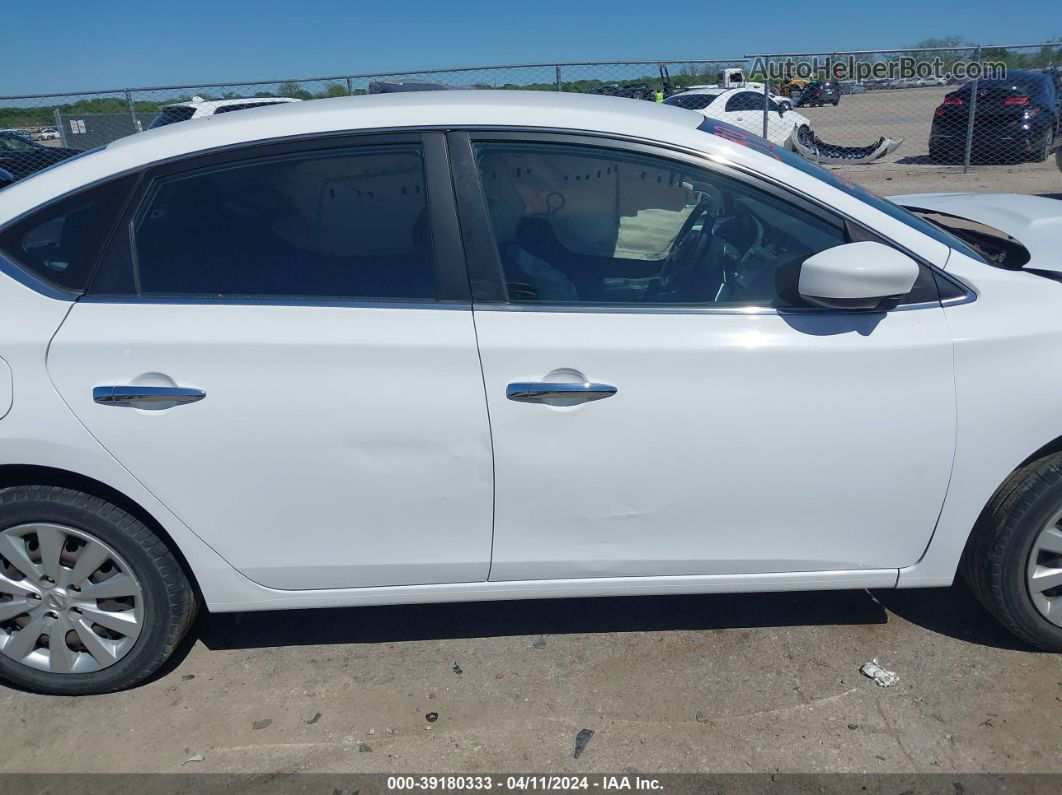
[244, 106]
[172, 115]
[691, 101]
[745, 100]
[61, 242]
[337, 223]
[586, 225]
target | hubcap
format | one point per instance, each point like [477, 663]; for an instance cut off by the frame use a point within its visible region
[1044, 572]
[68, 602]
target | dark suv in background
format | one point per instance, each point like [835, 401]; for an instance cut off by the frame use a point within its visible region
[820, 92]
[1017, 118]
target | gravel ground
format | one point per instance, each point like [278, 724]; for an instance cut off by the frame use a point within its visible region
[757, 683]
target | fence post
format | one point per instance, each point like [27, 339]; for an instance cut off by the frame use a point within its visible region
[970, 123]
[350, 88]
[132, 110]
[766, 93]
[59, 127]
[557, 76]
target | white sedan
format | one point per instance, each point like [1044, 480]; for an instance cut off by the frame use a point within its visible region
[743, 107]
[489, 345]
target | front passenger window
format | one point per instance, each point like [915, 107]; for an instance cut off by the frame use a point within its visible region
[587, 225]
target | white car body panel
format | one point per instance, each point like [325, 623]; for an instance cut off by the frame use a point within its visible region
[1034, 221]
[671, 475]
[1007, 357]
[40, 431]
[313, 405]
[337, 446]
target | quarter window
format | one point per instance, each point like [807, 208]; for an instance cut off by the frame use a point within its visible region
[341, 223]
[586, 225]
[61, 242]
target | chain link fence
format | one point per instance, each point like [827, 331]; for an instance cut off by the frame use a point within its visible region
[951, 109]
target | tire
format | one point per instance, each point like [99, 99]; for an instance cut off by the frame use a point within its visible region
[1043, 148]
[996, 562]
[146, 625]
[939, 154]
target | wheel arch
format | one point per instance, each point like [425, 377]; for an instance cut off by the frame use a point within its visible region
[951, 538]
[38, 475]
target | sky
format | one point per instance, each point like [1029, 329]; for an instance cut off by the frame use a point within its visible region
[62, 45]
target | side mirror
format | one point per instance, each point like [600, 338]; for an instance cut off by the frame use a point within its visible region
[856, 276]
[782, 109]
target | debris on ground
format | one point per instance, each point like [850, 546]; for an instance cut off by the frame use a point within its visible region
[457, 669]
[582, 739]
[540, 643]
[372, 732]
[188, 677]
[262, 724]
[874, 670]
[193, 757]
[364, 748]
[853, 726]
[431, 717]
[701, 717]
[316, 717]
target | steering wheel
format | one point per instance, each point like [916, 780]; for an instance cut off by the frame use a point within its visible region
[682, 255]
[746, 234]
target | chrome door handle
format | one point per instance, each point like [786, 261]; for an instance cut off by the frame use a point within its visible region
[146, 395]
[536, 391]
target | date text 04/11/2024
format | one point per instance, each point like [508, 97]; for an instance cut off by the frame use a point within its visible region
[520, 783]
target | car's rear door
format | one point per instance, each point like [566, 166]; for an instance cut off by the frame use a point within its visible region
[279, 345]
[661, 402]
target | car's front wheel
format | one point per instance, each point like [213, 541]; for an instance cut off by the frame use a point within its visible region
[1013, 561]
[91, 600]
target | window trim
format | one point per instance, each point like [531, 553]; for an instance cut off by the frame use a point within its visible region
[451, 278]
[485, 270]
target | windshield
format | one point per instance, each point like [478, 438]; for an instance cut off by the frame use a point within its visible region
[172, 114]
[691, 101]
[739, 136]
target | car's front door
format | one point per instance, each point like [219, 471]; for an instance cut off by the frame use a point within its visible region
[661, 402]
[308, 303]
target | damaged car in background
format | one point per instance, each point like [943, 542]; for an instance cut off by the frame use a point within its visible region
[741, 102]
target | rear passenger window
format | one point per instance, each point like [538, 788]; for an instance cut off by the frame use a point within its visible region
[61, 242]
[340, 223]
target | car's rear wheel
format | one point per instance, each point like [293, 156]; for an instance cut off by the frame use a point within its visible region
[91, 600]
[1013, 561]
[940, 154]
[1042, 148]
